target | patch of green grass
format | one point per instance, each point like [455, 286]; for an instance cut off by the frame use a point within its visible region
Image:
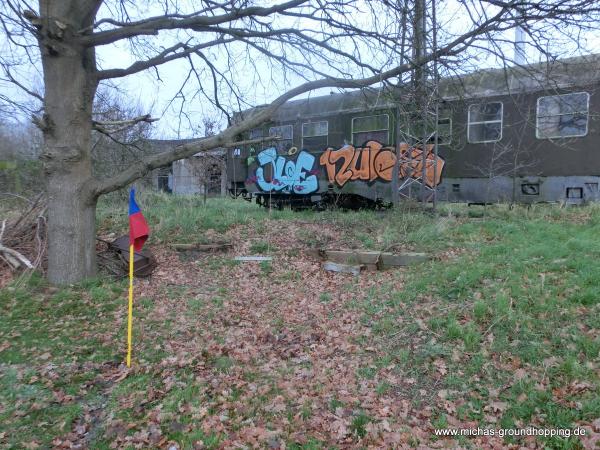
[471, 338]
[191, 439]
[266, 267]
[174, 218]
[325, 297]
[311, 444]
[306, 411]
[51, 324]
[382, 388]
[525, 295]
[335, 403]
[52, 332]
[290, 275]
[221, 262]
[195, 305]
[259, 247]
[366, 372]
[218, 302]
[30, 412]
[223, 363]
[480, 311]
[359, 424]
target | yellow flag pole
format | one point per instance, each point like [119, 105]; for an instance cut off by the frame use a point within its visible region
[130, 317]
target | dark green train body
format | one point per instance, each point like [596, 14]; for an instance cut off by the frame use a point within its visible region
[502, 135]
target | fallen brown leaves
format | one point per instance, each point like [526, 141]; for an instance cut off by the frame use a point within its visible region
[278, 355]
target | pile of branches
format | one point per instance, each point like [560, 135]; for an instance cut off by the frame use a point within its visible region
[23, 239]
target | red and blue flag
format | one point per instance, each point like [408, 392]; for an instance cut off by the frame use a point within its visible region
[138, 228]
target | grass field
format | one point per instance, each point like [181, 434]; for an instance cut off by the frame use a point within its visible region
[500, 330]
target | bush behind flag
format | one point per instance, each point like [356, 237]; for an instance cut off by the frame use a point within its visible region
[138, 228]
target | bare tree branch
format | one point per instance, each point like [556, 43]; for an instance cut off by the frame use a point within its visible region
[167, 55]
[122, 124]
[153, 25]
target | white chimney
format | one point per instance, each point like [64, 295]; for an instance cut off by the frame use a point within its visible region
[519, 57]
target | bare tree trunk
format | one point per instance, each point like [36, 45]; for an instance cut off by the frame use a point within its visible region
[71, 231]
[70, 85]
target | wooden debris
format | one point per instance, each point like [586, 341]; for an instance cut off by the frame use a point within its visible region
[253, 258]
[352, 256]
[14, 258]
[116, 258]
[368, 259]
[344, 268]
[23, 239]
[314, 253]
[388, 260]
[212, 247]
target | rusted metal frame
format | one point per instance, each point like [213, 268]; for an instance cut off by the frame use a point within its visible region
[396, 171]
[421, 21]
[436, 82]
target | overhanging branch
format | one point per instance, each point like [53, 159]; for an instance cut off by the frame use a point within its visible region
[107, 127]
[163, 57]
[153, 25]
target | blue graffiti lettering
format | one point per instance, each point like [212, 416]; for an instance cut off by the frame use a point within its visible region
[288, 176]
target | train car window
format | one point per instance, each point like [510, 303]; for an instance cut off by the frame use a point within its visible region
[371, 128]
[314, 135]
[485, 122]
[286, 132]
[561, 116]
[574, 192]
[256, 133]
[312, 129]
[444, 131]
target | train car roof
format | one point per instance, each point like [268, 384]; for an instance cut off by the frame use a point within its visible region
[564, 73]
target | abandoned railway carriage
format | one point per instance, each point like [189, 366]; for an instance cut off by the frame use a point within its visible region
[526, 135]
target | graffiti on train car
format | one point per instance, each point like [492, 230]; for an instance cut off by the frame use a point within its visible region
[278, 173]
[374, 161]
[366, 163]
[411, 164]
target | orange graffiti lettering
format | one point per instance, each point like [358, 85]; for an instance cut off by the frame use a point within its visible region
[367, 163]
[374, 161]
[384, 163]
[346, 154]
[411, 164]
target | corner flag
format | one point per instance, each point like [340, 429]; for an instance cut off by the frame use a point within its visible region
[138, 228]
[138, 234]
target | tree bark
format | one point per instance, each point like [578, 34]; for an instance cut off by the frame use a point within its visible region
[70, 85]
[71, 231]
